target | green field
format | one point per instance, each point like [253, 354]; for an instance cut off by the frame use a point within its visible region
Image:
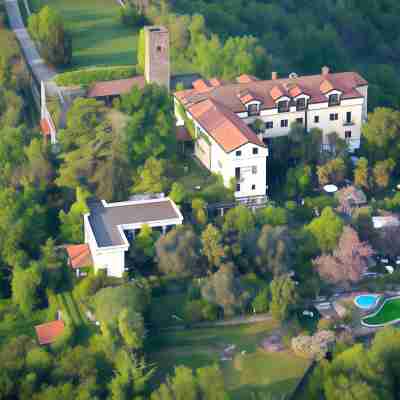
[99, 38]
[254, 372]
[389, 313]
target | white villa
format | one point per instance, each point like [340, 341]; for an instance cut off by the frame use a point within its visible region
[222, 112]
[109, 227]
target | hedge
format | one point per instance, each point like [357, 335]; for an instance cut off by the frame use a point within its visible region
[85, 77]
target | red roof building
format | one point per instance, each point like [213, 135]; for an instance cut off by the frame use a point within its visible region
[115, 87]
[79, 256]
[49, 332]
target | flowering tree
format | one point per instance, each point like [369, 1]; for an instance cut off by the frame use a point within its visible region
[348, 261]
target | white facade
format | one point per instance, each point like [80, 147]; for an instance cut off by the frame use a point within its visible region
[351, 114]
[111, 258]
[250, 159]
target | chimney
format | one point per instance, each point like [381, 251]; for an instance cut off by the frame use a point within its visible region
[325, 71]
[274, 75]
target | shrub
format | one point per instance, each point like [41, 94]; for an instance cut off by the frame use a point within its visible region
[193, 311]
[85, 77]
[130, 16]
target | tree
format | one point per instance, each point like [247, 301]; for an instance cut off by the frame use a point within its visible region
[239, 220]
[211, 383]
[207, 384]
[11, 109]
[55, 274]
[199, 211]
[72, 222]
[361, 173]
[142, 250]
[382, 171]
[326, 229]
[224, 289]
[150, 131]
[270, 215]
[151, 177]
[47, 28]
[182, 386]
[178, 252]
[25, 286]
[177, 193]
[130, 377]
[39, 170]
[131, 328]
[261, 302]
[283, 297]
[84, 118]
[334, 171]
[275, 250]
[348, 262]
[211, 239]
[382, 133]
[111, 301]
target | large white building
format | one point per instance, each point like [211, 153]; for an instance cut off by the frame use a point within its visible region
[109, 227]
[222, 112]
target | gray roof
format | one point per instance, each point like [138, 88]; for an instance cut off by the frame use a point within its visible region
[104, 221]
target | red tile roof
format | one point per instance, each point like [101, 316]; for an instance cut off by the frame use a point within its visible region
[215, 108]
[215, 82]
[225, 127]
[182, 135]
[49, 332]
[227, 94]
[45, 127]
[79, 255]
[244, 78]
[116, 87]
[201, 85]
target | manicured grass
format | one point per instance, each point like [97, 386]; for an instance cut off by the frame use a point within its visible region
[98, 36]
[388, 313]
[255, 371]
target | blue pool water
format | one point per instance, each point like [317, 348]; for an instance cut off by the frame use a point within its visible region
[366, 301]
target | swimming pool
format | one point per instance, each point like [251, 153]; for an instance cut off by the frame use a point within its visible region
[366, 301]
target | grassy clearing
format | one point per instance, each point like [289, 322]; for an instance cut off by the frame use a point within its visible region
[98, 37]
[388, 313]
[254, 372]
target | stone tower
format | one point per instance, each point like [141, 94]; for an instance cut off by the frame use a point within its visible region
[157, 63]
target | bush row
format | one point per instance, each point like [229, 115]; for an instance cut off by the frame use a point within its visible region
[88, 76]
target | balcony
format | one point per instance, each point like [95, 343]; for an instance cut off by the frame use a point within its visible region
[348, 123]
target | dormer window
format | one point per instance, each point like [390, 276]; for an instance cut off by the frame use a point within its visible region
[283, 106]
[334, 100]
[301, 104]
[253, 109]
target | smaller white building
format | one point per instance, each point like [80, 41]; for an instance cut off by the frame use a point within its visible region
[109, 227]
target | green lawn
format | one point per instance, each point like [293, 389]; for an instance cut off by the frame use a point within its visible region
[388, 313]
[99, 38]
[254, 372]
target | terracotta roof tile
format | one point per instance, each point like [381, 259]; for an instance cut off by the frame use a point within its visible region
[115, 87]
[244, 78]
[276, 92]
[326, 86]
[201, 85]
[295, 91]
[227, 94]
[226, 128]
[215, 82]
[79, 255]
[49, 332]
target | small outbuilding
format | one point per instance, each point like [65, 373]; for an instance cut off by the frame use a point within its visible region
[79, 257]
[49, 332]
